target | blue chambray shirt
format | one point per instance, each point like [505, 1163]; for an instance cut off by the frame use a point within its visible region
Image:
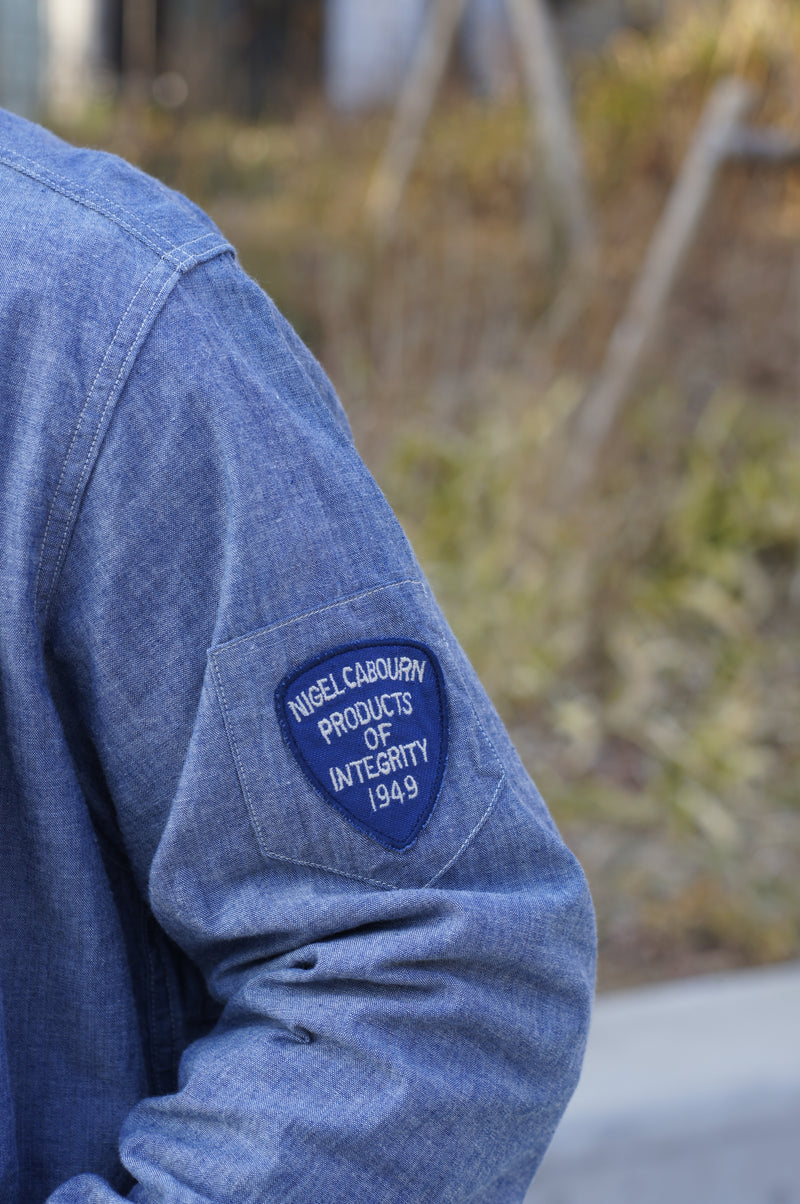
[283, 917]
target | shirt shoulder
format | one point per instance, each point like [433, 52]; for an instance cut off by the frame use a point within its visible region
[116, 202]
[91, 249]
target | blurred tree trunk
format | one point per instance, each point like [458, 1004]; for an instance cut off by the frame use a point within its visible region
[413, 109]
[556, 138]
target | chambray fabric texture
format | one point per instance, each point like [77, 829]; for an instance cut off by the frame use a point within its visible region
[214, 989]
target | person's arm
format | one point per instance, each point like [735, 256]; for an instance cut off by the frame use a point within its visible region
[323, 810]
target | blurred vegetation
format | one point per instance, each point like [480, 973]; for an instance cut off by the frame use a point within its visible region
[643, 648]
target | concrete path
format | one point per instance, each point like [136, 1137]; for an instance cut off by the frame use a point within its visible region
[690, 1093]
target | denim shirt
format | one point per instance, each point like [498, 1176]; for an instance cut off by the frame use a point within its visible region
[283, 917]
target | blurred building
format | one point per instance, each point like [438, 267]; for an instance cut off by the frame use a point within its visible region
[241, 55]
[51, 53]
[252, 56]
[369, 42]
[20, 55]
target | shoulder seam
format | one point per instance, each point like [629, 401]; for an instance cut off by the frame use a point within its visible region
[114, 212]
[92, 423]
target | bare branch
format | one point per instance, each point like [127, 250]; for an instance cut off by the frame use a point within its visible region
[413, 108]
[726, 107]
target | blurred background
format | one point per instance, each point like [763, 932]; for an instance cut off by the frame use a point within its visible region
[638, 631]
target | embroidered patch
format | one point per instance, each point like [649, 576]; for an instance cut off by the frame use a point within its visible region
[367, 724]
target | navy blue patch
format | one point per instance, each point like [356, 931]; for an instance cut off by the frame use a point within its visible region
[368, 726]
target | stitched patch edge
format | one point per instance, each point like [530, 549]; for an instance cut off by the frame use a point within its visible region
[319, 788]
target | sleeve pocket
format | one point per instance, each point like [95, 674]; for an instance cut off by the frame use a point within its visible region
[427, 743]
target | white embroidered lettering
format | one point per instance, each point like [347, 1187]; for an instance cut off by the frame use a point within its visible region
[404, 734]
[371, 739]
[299, 712]
[383, 762]
[363, 713]
[337, 719]
[409, 748]
[357, 766]
[344, 777]
[368, 766]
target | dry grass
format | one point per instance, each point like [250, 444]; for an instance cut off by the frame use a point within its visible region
[643, 650]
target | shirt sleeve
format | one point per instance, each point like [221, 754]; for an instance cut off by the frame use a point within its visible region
[316, 800]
